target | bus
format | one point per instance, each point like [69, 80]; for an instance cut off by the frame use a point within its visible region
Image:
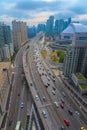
[18, 125]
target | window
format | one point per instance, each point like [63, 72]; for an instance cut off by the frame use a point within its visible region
[82, 38]
[66, 37]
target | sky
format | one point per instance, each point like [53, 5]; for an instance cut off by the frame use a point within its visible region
[38, 11]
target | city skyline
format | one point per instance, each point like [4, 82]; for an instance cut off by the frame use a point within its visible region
[38, 11]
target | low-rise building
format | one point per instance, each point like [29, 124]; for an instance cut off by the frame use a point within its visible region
[80, 82]
[76, 54]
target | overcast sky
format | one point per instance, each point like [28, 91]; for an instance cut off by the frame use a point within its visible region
[38, 11]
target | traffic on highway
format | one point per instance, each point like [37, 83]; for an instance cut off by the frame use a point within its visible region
[57, 108]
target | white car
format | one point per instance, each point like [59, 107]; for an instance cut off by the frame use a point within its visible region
[53, 92]
[44, 114]
[22, 105]
[77, 113]
[56, 104]
[36, 97]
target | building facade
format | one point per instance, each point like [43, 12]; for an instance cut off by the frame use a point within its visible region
[76, 53]
[6, 46]
[41, 27]
[49, 26]
[61, 24]
[31, 31]
[19, 31]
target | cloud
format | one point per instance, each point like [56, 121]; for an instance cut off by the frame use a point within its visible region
[35, 5]
[81, 17]
[34, 11]
[64, 14]
[8, 6]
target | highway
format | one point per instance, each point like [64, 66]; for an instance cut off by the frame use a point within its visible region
[18, 95]
[54, 115]
[42, 93]
[42, 82]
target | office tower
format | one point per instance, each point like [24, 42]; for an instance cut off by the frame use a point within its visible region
[5, 35]
[69, 21]
[6, 46]
[49, 26]
[76, 54]
[19, 33]
[41, 27]
[56, 27]
[61, 24]
[31, 31]
[2, 39]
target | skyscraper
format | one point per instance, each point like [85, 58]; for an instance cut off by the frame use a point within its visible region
[5, 35]
[69, 21]
[49, 26]
[76, 54]
[31, 31]
[19, 30]
[61, 24]
[41, 27]
[6, 46]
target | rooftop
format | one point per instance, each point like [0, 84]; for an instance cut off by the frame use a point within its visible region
[79, 76]
[2, 73]
[75, 28]
[83, 86]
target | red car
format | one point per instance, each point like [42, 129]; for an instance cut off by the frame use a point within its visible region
[66, 122]
[62, 105]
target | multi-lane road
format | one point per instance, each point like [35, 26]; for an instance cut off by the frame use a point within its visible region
[18, 95]
[45, 89]
[39, 73]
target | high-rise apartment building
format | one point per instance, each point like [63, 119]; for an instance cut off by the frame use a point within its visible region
[76, 54]
[19, 30]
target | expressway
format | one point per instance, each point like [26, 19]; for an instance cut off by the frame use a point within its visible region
[18, 95]
[39, 74]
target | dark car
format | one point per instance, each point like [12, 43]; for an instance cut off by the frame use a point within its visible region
[62, 128]
[10, 122]
[70, 112]
[18, 94]
[62, 100]
[54, 88]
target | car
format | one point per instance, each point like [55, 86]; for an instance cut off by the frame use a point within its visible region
[82, 128]
[44, 98]
[66, 122]
[53, 92]
[10, 122]
[22, 105]
[62, 128]
[18, 94]
[48, 84]
[62, 100]
[62, 105]
[70, 112]
[63, 93]
[44, 114]
[42, 73]
[53, 78]
[56, 104]
[36, 97]
[30, 84]
[48, 78]
[54, 88]
[77, 113]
